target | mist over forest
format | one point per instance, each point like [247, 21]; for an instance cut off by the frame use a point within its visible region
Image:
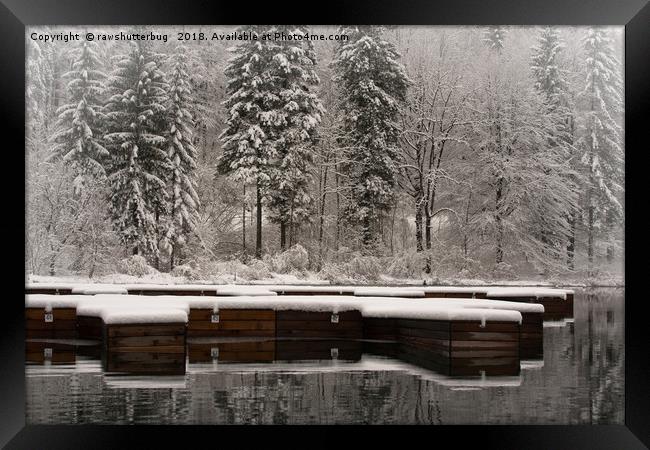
[438, 153]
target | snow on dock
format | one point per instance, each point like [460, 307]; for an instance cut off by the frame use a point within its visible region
[453, 333]
[99, 289]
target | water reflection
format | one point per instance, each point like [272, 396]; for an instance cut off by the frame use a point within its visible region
[580, 380]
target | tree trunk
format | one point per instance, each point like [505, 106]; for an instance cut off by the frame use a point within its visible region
[171, 258]
[366, 233]
[427, 228]
[338, 207]
[571, 246]
[283, 236]
[418, 227]
[321, 219]
[427, 238]
[258, 233]
[499, 222]
[243, 223]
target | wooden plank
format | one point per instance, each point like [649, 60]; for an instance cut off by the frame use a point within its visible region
[50, 291]
[423, 333]
[472, 354]
[343, 334]
[230, 333]
[146, 341]
[232, 325]
[483, 345]
[116, 330]
[53, 334]
[489, 327]
[487, 336]
[438, 325]
[147, 357]
[55, 325]
[233, 314]
[148, 349]
[314, 315]
[318, 325]
[145, 369]
[244, 356]
[57, 314]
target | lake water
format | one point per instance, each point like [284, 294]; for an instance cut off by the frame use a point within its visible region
[579, 381]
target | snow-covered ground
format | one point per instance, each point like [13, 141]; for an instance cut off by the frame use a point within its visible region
[311, 279]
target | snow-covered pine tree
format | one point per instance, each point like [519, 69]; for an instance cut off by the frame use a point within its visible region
[182, 154]
[548, 77]
[550, 82]
[80, 121]
[249, 140]
[138, 166]
[600, 137]
[494, 37]
[298, 113]
[372, 84]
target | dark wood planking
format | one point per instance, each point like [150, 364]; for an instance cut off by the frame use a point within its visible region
[231, 325]
[57, 314]
[233, 314]
[315, 316]
[154, 329]
[146, 341]
[154, 292]
[230, 333]
[50, 291]
[334, 333]
[51, 334]
[318, 350]
[55, 325]
[318, 325]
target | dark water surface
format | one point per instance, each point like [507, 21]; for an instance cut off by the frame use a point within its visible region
[580, 381]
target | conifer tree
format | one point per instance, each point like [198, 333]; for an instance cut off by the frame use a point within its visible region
[249, 139]
[494, 37]
[79, 139]
[372, 85]
[551, 83]
[138, 166]
[297, 115]
[182, 155]
[600, 137]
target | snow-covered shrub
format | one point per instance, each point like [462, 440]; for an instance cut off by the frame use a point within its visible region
[365, 267]
[135, 265]
[186, 271]
[295, 259]
[503, 271]
[407, 265]
[333, 273]
[254, 270]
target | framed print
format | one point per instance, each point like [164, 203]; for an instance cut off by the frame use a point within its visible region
[392, 215]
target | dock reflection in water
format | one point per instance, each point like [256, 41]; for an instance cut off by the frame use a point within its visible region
[580, 380]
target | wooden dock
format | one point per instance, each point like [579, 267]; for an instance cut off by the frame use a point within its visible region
[53, 323]
[232, 322]
[145, 348]
[275, 331]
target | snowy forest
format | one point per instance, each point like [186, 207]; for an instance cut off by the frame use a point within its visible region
[392, 153]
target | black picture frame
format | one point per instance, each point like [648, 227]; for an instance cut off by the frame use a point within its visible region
[16, 14]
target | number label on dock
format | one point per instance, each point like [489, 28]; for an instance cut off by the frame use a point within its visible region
[214, 318]
[49, 317]
[214, 352]
[334, 352]
[47, 352]
[335, 318]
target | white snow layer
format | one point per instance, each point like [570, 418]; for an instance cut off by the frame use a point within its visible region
[117, 308]
[99, 289]
[526, 292]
